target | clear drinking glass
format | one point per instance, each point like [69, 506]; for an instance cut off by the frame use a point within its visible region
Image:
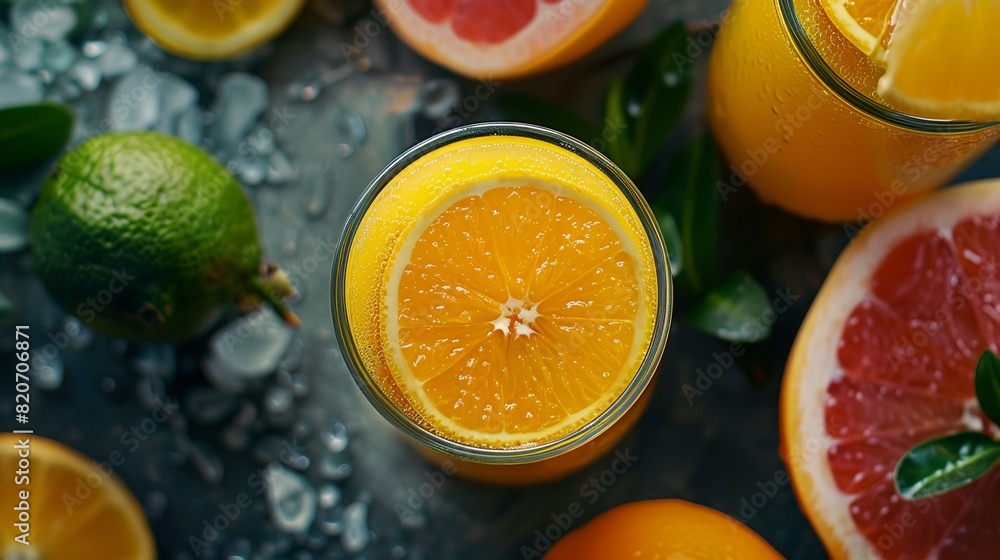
[528, 463]
[794, 109]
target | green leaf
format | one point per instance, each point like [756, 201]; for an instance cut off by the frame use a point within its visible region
[31, 134]
[988, 385]
[619, 143]
[536, 110]
[689, 195]
[943, 464]
[6, 308]
[654, 94]
[734, 311]
[672, 239]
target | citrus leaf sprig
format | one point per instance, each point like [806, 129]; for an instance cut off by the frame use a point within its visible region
[31, 134]
[943, 464]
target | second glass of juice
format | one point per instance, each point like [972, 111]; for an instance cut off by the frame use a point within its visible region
[794, 107]
[502, 296]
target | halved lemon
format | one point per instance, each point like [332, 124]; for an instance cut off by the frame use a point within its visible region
[75, 508]
[211, 30]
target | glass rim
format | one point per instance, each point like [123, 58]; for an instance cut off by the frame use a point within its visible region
[847, 92]
[517, 455]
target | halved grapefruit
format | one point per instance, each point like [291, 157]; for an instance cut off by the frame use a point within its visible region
[885, 360]
[504, 39]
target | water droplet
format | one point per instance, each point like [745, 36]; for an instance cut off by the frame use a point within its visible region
[355, 537]
[332, 469]
[108, 385]
[291, 502]
[352, 132]
[206, 462]
[329, 496]
[335, 438]
[155, 505]
[207, 406]
[439, 97]
[320, 194]
[278, 400]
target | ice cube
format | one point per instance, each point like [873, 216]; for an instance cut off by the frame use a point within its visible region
[86, 74]
[41, 19]
[291, 502]
[189, 125]
[30, 54]
[248, 348]
[18, 88]
[355, 537]
[13, 226]
[280, 169]
[117, 60]
[135, 100]
[93, 49]
[240, 100]
[59, 57]
[177, 97]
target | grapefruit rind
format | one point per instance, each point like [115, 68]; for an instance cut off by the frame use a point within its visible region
[560, 33]
[813, 362]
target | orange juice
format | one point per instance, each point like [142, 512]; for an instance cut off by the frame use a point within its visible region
[502, 296]
[795, 111]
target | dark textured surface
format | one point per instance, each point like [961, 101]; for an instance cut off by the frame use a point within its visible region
[719, 448]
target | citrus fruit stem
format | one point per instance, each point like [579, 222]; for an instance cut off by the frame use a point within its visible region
[273, 286]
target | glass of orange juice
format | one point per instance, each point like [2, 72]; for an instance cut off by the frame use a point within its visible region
[796, 109]
[502, 296]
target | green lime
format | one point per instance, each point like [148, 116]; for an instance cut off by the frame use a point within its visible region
[143, 236]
